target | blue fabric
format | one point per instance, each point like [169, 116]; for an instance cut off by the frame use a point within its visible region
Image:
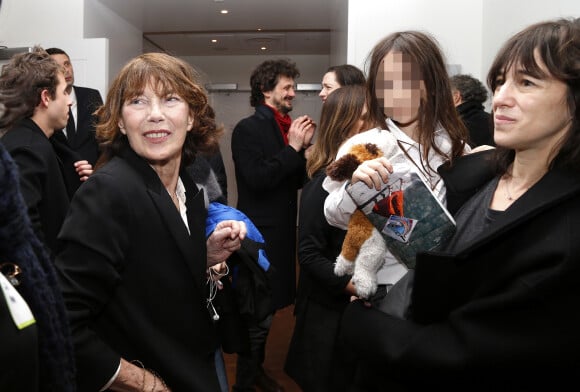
[218, 212]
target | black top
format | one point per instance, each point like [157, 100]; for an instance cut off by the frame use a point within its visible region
[478, 122]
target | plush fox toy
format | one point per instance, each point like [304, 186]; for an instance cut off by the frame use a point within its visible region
[363, 250]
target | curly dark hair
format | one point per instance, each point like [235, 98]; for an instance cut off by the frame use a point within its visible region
[168, 74]
[266, 76]
[470, 88]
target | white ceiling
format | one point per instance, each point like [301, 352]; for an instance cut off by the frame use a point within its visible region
[187, 27]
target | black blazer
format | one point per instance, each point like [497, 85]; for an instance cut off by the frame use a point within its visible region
[41, 179]
[84, 145]
[268, 175]
[134, 279]
[501, 314]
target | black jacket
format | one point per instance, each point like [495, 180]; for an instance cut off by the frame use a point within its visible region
[268, 175]
[41, 179]
[500, 314]
[134, 279]
[478, 122]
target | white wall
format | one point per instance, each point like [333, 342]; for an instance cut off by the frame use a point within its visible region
[469, 32]
[125, 39]
[456, 24]
[514, 16]
[225, 69]
[57, 23]
[34, 21]
[339, 32]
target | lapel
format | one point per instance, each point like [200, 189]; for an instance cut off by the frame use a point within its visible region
[191, 246]
[266, 113]
[555, 187]
[60, 137]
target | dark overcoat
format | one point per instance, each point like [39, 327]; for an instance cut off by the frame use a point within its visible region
[41, 179]
[269, 175]
[501, 314]
[134, 279]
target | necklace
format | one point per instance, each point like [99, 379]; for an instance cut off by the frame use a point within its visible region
[508, 195]
[521, 190]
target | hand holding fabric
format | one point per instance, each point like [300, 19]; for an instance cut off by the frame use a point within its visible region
[224, 240]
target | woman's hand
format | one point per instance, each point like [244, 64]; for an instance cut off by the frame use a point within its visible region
[373, 172]
[225, 239]
[133, 377]
[84, 169]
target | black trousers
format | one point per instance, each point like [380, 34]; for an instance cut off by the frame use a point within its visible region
[249, 363]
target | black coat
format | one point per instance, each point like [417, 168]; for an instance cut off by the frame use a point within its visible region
[41, 179]
[268, 175]
[84, 145]
[478, 122]
[315, 360]
[499, 315]
[134, 280]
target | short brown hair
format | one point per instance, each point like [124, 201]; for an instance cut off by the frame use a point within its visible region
[21, 83]
[168, 75]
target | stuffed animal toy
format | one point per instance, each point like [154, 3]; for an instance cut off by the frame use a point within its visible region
[363, 250]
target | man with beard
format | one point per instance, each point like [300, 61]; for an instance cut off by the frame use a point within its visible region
[268, 153]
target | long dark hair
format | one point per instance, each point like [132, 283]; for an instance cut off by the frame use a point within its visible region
[557, 45]
[437, 106]
[339, 117]
[347, 75]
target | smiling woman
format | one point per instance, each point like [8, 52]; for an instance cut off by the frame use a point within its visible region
[135, 255]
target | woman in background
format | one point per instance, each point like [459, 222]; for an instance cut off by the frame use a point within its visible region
[315, 359]
[337, 76]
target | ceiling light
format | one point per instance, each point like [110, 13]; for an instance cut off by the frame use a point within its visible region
[214, 40]
[224, 12]
[263, 48]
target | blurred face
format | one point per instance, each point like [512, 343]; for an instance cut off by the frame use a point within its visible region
[281, 96]
[64, 62]
[156, 126]
[329, 84]
[57, 108]
[399, 88]
[530, 112]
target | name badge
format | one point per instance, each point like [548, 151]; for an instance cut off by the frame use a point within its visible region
[19, 310]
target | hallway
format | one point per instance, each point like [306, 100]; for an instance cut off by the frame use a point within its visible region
[276, 349]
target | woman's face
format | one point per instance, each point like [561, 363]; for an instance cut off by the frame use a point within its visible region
[398, 87]
[156, 126]
[529, 112]
[329, 84]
